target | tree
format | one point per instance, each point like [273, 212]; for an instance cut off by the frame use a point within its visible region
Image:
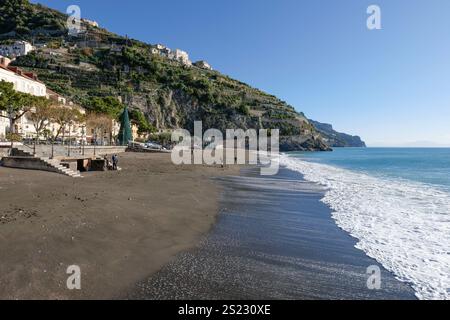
[125, 134]
[64, 116]
[21, 16]
[144, 127]
[106, 105]
[40, 114]
[101, 123]
[14, 103]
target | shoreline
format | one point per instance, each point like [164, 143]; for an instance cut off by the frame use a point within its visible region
[274, 239]
[119, 227]
[159, 231]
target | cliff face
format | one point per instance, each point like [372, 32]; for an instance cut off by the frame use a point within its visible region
[337, 139]
[98, 63]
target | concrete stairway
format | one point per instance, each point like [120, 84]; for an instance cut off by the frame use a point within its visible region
[60, 168]
[75, 151]
[52, 164]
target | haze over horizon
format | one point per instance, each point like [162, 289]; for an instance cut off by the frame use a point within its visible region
[388, 86]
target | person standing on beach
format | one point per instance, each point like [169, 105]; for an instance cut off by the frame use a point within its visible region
[115, 161]
[106, 163]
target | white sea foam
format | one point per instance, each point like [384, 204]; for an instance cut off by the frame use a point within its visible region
[404, 225]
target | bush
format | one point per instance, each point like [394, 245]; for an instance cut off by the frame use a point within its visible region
[164, 139]
[244, 109]
[143, 124]
[13, 137]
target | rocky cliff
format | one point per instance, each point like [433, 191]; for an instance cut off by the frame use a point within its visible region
[337, 139]
[97, 64]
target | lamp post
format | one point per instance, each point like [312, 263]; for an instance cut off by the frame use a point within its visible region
[95, 141]
[53, 140]
[12, 142]
[34, 145]
[83, 137]
[68, 149]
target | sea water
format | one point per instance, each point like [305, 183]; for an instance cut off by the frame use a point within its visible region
[396, 202]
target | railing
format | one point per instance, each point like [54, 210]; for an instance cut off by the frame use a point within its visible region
[51, 149]
[33, 147]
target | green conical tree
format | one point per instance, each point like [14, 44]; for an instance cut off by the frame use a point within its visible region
[125, 134]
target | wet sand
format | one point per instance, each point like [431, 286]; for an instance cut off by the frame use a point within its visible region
[274, 239]
[119, 227]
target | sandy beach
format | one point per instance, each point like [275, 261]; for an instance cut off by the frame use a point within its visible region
[159, 231]
[274, 239]
[118, 227]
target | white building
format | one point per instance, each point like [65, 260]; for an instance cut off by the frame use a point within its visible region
[90, 23]
[161, 50]
[56, 97]
[76, 131]
[176, 55]
[181, 56]
[25, 82]
[17, 49]
[4, 126]
[203, 65]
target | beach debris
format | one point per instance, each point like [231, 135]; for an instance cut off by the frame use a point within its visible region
[17, 214]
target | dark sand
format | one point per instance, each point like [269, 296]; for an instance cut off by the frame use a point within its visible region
[274, 240]
[119, 227]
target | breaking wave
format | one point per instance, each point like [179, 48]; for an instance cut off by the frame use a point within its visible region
[402, 224]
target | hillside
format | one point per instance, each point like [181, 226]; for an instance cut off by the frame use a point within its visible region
[166, 94]
[337, 139]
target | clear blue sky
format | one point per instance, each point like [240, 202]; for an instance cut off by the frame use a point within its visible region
[391, 86]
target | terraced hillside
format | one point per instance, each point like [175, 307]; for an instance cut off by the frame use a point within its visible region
[99, 64]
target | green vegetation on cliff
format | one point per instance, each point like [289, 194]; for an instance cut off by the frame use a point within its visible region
[97, 67]
[20, 17]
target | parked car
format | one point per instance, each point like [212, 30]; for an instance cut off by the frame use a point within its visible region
[152, 145]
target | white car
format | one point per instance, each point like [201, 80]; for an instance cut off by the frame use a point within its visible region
[152, 145]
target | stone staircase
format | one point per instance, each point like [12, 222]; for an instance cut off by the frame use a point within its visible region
[60, 168]
[53, 165]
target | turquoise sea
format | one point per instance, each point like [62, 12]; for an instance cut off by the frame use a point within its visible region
[396, 202]
[426, 165]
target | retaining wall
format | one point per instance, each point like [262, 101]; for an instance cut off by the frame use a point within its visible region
[27, 163]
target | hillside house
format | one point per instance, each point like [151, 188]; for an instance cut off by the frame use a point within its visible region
[17, 49]
[203, 65]
[181, 56]
[175, 55]
[161, 50]
[90, 23]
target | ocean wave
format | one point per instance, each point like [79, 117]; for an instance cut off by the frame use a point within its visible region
[405, 226]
